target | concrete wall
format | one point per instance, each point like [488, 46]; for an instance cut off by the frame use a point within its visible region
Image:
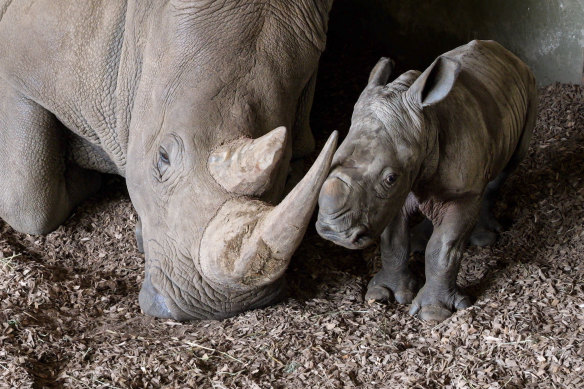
[547, 34]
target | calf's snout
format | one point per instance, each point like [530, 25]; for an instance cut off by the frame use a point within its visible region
[333, 197]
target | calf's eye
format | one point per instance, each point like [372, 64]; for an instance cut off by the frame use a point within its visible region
[390, 179]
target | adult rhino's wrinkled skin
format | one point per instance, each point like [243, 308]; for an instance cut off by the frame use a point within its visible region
[439, 143]
[199, 104]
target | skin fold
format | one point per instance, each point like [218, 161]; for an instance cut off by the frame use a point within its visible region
[439, 143]
[201, 105]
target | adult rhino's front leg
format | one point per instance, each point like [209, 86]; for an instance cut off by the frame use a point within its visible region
[440, 296]
[38, 186]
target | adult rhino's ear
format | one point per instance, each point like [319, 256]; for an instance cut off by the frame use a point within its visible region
[381, 72]
[436, 82]
[247, 166]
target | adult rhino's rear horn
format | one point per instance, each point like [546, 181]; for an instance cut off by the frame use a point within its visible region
[249, 243]
[247, 166]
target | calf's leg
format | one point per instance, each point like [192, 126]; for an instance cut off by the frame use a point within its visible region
[487, 227]
[395, 275]
[440, 296]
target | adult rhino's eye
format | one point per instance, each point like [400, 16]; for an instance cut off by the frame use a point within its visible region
[169, 154]
[163, 160]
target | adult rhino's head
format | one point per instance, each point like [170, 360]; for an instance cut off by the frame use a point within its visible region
[209, 152]
[386, 150]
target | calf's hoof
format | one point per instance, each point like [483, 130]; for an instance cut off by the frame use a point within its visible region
[403, 288]
[434, 313]
[377, 293]
[438, 306]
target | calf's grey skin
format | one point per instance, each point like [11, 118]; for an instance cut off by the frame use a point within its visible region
[199, 104]
[441, 143]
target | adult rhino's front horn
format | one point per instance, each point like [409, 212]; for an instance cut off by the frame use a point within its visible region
[249, 243]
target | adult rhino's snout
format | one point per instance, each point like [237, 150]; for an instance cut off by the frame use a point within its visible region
[333, 197]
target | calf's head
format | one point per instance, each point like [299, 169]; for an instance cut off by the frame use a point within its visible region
[387, 148]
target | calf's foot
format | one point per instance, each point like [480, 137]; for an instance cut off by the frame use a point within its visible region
[403, 285]
[437, 304]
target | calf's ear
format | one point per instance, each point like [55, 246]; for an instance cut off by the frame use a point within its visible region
[381, 72]
[436, 82]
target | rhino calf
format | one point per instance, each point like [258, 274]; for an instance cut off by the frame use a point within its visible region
[441, 143]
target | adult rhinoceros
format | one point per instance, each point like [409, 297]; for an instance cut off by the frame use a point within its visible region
[199, 104]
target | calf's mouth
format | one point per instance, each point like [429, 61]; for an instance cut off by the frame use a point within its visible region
[354, 238]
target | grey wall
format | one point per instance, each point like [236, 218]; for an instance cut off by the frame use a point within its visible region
[547, 34]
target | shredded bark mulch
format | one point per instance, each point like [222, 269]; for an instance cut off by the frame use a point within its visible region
[69, 314]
